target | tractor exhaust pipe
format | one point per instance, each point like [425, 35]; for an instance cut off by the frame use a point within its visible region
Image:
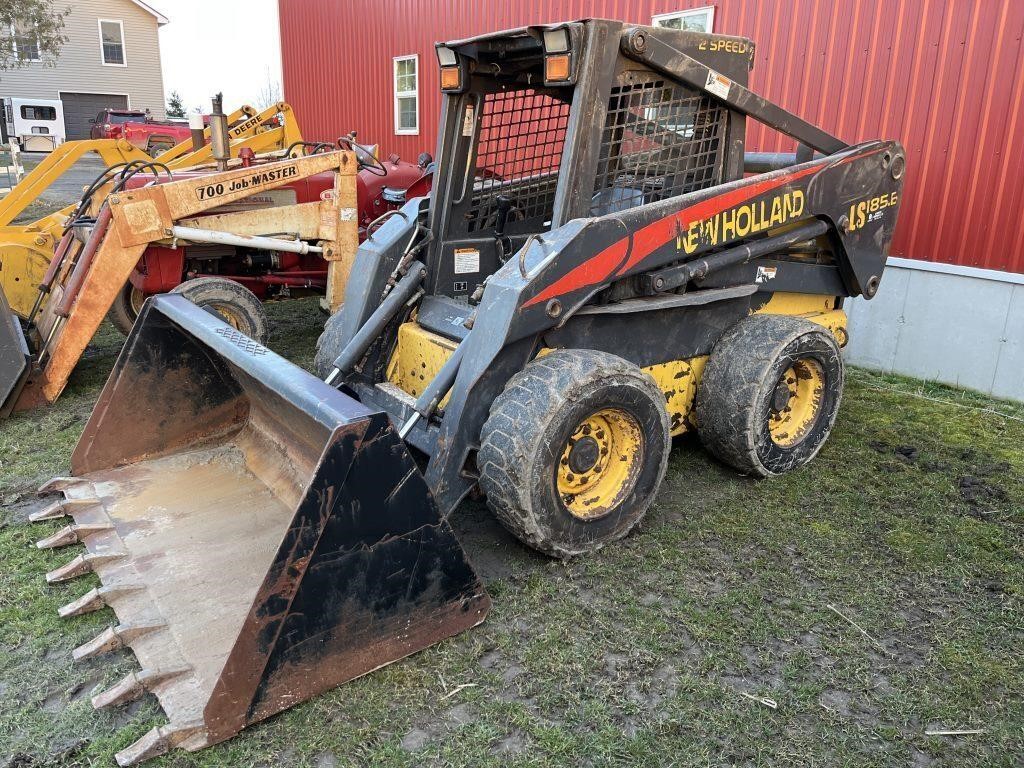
[219, 133]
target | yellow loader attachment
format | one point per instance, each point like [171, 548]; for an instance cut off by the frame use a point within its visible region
[260, 536]
[26, 249]
[85, 275]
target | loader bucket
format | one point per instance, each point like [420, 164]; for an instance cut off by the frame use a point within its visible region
[260, 536]
[14, 356]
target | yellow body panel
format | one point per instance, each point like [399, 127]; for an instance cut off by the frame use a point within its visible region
[678, 380]
[420, 354]
[816, 308]
[417, 358]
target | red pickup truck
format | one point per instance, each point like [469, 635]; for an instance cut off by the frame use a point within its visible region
[136, 126]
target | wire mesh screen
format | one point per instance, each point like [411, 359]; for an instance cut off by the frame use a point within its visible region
[518, 155]
[660, 140]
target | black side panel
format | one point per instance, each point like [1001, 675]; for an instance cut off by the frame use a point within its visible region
[648, 338]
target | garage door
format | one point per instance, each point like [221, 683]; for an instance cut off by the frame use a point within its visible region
[80, 108]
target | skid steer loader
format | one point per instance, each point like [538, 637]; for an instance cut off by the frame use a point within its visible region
[593, 273]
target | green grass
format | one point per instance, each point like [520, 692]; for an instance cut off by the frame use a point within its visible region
[909, 523]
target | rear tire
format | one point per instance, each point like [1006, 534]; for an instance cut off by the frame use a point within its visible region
[126, 307]
[328, 346]
[770, 394]
[230, 301]
[574, 451]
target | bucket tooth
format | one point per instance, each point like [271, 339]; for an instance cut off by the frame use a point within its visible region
[60, 508]
[112, 638]
[72, 534]
[95, 599]
[80, 566]
[58, 484]
[134, 684]
[157, 742]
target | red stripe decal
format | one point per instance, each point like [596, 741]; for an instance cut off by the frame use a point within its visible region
[646, 240]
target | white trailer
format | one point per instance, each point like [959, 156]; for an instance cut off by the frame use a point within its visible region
[36, 125]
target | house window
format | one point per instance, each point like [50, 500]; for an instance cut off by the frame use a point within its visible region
[26, 43]
[407, 98]
[695, 19]
[112, 43]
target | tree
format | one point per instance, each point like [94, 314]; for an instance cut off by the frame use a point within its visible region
[270, 93]
[38, 32]
[175, 106]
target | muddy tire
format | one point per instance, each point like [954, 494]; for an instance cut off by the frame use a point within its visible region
[126, 307]
[328, 346]
[770, 393]
[574, 451]
[231, 302]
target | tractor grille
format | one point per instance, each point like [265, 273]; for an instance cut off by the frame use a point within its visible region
[660, 140]
[518, 155]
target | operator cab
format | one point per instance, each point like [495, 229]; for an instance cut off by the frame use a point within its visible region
[521, 150]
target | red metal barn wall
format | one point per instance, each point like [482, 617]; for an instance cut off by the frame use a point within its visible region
[946, 77]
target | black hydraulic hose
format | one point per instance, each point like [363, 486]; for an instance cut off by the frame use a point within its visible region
[375, 324]
[675, 277]
[438, 387]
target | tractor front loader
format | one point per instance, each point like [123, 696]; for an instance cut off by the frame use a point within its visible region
[594, 272]
[97, 253]
[26, 249]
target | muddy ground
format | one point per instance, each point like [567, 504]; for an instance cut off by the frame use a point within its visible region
[853, 613]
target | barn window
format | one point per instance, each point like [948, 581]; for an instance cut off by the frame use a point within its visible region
[695, 19]
[112, 43]
[25, 41]
[407, 94]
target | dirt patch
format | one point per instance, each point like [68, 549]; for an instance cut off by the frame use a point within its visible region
[494, 552]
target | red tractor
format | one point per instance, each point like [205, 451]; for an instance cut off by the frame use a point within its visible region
[234, 280]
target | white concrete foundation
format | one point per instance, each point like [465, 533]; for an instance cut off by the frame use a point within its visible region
[956, 325]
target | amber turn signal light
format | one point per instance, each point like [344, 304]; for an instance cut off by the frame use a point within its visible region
[556, 67]
[451, 78]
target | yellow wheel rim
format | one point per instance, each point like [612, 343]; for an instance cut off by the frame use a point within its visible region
[136, 299]
[600, 463]
[796, 402]
[227, 313]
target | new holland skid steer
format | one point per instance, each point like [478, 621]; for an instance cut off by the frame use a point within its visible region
[593, 273]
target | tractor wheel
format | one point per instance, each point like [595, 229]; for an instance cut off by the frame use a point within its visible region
[158, 146]
[770, 394]
[126, 307]
[328, 346]
[232, 302]
[574, 451]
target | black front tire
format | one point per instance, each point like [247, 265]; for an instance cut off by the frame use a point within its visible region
[574, 451]
[752, 387]
[232, 302]
[125, 309]
[329, 345]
